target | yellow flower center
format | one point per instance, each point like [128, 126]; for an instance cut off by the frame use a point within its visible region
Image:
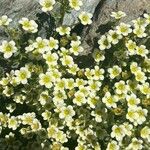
[8, 48]
[23, 75]
[27, 24]
[132, 101]
[110, 100]
[74, 3]
[66, 112]
[48, 4]
[85, 18]
[118, 131]
[121, 86]
[52, 44]
[46, 79]
[123, 29]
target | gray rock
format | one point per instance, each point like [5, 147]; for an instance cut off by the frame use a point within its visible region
[17, 9]
[88, 6]
[133, 9]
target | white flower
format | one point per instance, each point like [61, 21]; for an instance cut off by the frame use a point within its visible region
[64, 148]
[142, 114]
[27, 118]
[53, 43]
[85, 90]
[81, 147]
[79, 98]
[134, 67]
[97, 115]
[67, 113]
[132, 115]
[41, 44]
[67, 61]
[8, 91]
[36, 125]
[4, 81]
[4, 21]
[29, 25]
[113, 145]
[142, 51]
[140, 76]
[135, 144]
[147, 17]
[4, 119]
[10, 135]
[63, 30]
[121, 87]
[104, 42]
[145, 88]
[137, 115]
[47, 5]
[131, 46]
[118, 132]
[56, 74]
[98, 55]
[94, 85]
[140, 22]
[109, 100]
[59, 97]
[22, 75]
[44, 97]
[114, 72]
[70, 83]
[46, 115]
[19, 98]
[29, 48]
[52, 131]
[93, 101]
[46, 79]
[51, 58]
[60, 84]
[118, 15]
[63, 51]
[75, 4]
[97, 73]
[13, 123]
[73, 69]
[80, 82]
[140, 32]
[76, 48]
[88, 73]
[8, 48]
[85, 18]
[128, 128]
[113, 37]
[145, 133]
[124, 29]
[61, 137]
[132, 100]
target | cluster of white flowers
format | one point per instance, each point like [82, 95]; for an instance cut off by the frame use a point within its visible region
[4, 20]
[29, 25]
[52, 101]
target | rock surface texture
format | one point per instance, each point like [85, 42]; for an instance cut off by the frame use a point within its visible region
[133, 9]
[101, 10]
